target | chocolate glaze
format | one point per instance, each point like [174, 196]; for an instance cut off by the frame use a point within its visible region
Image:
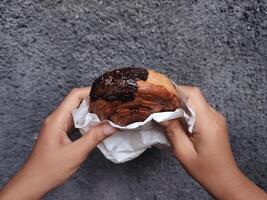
[118, 85]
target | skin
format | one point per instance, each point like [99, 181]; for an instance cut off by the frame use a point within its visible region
[54, 157]
[206, 155]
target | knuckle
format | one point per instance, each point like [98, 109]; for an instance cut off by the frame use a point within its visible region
[47, 121]
[172, 126]
[196, 91]
[96, 135]
[74, 91]
[187, 159]
[169, 126]
[222, 119]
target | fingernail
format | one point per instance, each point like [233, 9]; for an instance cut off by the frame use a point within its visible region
[165, 123]
[109, 130]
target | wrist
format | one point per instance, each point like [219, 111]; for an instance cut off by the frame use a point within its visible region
[223, 183]
[241, 188]
[232, 186]
[26, 184]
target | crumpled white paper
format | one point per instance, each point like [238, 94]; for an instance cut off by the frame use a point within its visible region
[132, 140]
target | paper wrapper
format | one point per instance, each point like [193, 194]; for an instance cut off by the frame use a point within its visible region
[132, 140]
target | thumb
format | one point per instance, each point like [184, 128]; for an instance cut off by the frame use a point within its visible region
[182, 145]
[84, 145]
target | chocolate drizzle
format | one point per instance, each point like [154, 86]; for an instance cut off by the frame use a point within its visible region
[119, 84]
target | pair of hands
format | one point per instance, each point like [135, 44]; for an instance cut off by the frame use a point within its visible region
[206, 155]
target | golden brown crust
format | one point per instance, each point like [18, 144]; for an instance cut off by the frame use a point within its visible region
[156, 94]
[160, 79]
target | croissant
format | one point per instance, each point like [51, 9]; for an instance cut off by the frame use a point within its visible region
[130, 95]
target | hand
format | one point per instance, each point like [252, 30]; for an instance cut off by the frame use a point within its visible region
[206, 155]
[54, 157]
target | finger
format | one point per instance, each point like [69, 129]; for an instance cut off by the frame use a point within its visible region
[213, 110]
[217, 114]
[83, 146]
[73, 100]
[60, 122]
[62, 116]
[195, 98]
[182, 145]
[197, 101]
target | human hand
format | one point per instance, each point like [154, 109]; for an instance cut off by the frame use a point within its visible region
[206, 155]
[54, 157]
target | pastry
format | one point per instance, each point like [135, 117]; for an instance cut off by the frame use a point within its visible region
[129, 95]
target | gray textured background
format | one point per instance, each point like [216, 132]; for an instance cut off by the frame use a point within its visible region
[48, 47]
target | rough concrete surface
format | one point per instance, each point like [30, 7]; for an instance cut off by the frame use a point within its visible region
[48, 47]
